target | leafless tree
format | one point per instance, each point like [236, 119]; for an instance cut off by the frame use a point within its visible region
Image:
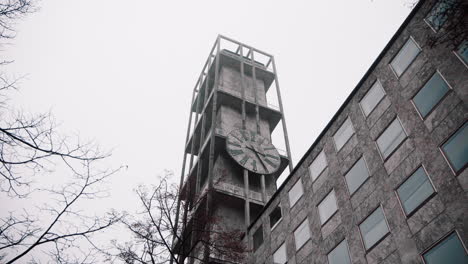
[152, 231]
[45, 177]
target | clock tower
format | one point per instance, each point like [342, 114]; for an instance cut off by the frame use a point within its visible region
[231, 157]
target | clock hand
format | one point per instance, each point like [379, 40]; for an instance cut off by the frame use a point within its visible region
[261, 161]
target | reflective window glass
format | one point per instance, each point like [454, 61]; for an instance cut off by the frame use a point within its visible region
[373, 228]
[372, 98]
[327, 207]
[302, 234]
[450, 250]
[343, 134]
[430, 94]
[340, 254]
[462, 51]
[391, 138]
[279, 257]
[439, 13]
[295, 193]
[405, 57]
[415, 190]
[356, 175]
[456, 148]
[318, 165]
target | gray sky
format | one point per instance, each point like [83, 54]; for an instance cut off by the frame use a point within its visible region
[122, 72]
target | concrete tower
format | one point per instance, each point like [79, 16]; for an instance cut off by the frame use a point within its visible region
[230, 164]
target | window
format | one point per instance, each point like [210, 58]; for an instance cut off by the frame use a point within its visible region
[327, 207]
[391, 138]
[430, 94]
[279, 257]
[449, 250]
[462, 51]
[374, 228]
[275, 217]
[340, 254]
[318, 165]
[343, 134]
[258, 238]
[302, 234]
[372, 98]
[295, 193]
[456, 149]
[415, 190]
[439, 13]
[357, 175]
[405, 57]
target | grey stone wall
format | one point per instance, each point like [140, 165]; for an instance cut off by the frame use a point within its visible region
[409, 236]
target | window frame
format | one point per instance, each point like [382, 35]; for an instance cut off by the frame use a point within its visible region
[398, 146]
[425, 200]
[349, 169]
[285, 250]
[337, 244]
[333, 214]
[294, 234]
[299, 198]
[429, 23]
[279, 220]
[380, 239]
[348, 139]
[399, 50]
[437, 242]
[377, 104]
[450, 90]
[456, 173]
[321, 172]
[455, 51]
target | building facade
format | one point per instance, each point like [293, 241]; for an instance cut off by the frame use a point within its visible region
[385, 181]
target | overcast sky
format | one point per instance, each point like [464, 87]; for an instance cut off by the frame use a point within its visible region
[122, 72]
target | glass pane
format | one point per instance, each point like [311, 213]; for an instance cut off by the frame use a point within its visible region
[463, 51]
[295, 193]
[430, 94]
[258, 238]
[343, 134]
[404, 57]
[391, 138]
[372, 98]
[340, 254]
[318, 165]
[356, 175]
[275, 216]
[439, 14]
[327, 207]
[456, 148]
[302, 234]
[279, 257]
[450, 250]
[415, 190]
[373, 228]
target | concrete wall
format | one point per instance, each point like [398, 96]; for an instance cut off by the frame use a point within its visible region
[409, 236]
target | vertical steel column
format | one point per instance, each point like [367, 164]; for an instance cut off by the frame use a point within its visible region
[283, 119]
[244, 126]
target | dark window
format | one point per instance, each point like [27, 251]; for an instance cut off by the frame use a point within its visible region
[340, 254]
[456, 148]
[450, 250]
[431, 93]
[258, 238]
[405, 57]
[462, 51]
[415, 190]
[391, 138]
[357, 175]
[374, 228]
[275, 216]
[440, 13]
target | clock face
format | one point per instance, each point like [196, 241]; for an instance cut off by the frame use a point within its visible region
[252, 151]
